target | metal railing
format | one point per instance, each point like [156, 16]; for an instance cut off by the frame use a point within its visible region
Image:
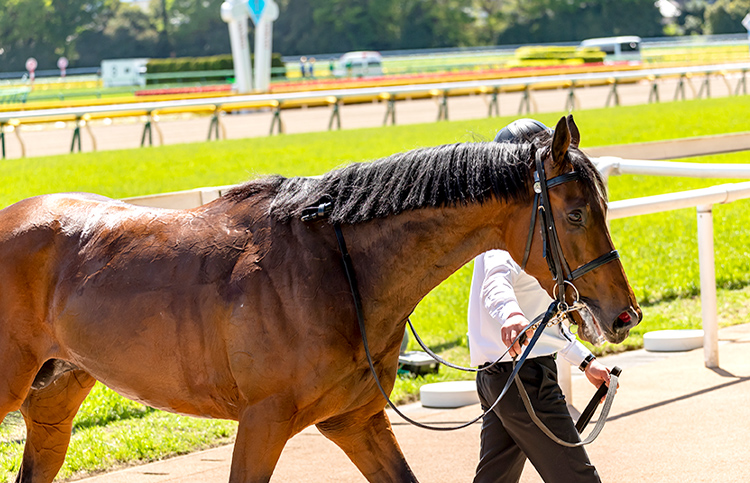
[703, 200]
[227, 102]
[387, 94]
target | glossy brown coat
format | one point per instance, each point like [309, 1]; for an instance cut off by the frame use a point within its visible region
[226, 312]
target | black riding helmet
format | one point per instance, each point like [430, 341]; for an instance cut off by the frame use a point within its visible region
[520, 130]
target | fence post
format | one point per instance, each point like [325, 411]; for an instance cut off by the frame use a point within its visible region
[147, 131]
[571, 103]
[276, 119]
[494, 105]
[705, 86]
[525, 100]
[214, 125]
[708, 286]
[653, 95]
[741, 84]
[76, 135]
[679, 92]
[613, 95]
[443, 107]
[390, 109]
[335, 104]
[2, 136]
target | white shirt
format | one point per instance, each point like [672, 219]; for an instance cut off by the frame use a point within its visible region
[500, 288]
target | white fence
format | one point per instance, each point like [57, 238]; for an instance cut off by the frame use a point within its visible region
[703, 200]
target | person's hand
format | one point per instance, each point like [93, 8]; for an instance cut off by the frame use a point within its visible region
[597, 373]
[510, 330]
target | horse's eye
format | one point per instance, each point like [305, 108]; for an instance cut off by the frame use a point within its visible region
[575, 216]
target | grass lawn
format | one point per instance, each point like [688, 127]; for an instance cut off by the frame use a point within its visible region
[659, 252]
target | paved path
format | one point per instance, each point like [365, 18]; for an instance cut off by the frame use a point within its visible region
[49, 139]
[673, 421]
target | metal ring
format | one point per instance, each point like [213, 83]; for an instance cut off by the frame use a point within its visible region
[577, 297]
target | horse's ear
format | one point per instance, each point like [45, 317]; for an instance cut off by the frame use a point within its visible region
[575, 135]
[560, 142]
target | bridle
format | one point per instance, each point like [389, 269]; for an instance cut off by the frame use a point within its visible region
[558, 309]
[551, 247]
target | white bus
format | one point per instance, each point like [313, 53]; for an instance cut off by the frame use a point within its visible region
[626, 47]
[359, 64]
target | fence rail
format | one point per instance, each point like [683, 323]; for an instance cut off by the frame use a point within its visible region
[389, 95]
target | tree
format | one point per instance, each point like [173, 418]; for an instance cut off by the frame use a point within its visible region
[322, 26]
[47, 30]
[197, 28]
[574, 20]
[725, 16]
[22, 34]
[491, 20]
[690, 21]
[434, 24]
[130, 33]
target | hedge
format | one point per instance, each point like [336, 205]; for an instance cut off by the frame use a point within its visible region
[200, 64]
[585, 55]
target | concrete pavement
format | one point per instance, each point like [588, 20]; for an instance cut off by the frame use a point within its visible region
[673, 420]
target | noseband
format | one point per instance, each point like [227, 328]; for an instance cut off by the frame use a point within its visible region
[558, 266]
[551, 247]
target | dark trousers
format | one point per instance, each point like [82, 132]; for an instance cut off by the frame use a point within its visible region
[509, 436]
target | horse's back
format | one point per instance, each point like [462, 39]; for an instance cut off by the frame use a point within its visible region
[119, 290]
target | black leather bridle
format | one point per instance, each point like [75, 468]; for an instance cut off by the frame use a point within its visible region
[551, 247]
[552, 252]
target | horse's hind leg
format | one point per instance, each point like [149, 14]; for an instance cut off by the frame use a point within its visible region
[369, 442]
[263, 431]
[49, 413]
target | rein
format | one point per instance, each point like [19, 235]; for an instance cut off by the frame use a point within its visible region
[558, 309]
[351, 277]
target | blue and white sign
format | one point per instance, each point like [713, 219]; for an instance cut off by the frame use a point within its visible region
[256, 9]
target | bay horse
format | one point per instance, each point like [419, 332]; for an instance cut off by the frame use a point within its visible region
[239, 310]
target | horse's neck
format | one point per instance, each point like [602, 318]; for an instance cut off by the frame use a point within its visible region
[401, 258]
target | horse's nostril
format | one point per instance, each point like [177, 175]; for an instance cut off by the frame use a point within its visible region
[623, 321]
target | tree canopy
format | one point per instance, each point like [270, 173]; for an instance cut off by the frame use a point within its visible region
[87, 31]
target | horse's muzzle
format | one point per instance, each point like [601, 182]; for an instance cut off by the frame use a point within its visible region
[622, 325]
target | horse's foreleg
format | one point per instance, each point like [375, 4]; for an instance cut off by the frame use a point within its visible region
[49, 414]
[264, 429]
[371, 445]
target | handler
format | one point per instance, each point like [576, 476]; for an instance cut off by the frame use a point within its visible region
[502, 301]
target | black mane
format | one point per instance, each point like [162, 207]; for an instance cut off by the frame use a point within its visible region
[429, 177]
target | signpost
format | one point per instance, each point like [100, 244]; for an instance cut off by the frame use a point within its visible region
[263, 42]
[256, 9]
[236, 13]
[62, 64]
[31, 65]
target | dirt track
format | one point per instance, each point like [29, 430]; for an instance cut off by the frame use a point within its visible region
[49, 139]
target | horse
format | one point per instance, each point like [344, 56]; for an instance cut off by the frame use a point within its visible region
[240, 310]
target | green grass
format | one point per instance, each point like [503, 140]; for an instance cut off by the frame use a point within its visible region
[170, 168]
[153, 436]
[659, 252]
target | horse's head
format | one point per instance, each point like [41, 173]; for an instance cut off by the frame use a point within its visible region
[578, 207]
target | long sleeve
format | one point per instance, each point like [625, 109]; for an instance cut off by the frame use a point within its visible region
[500, 288]
[498, 296]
